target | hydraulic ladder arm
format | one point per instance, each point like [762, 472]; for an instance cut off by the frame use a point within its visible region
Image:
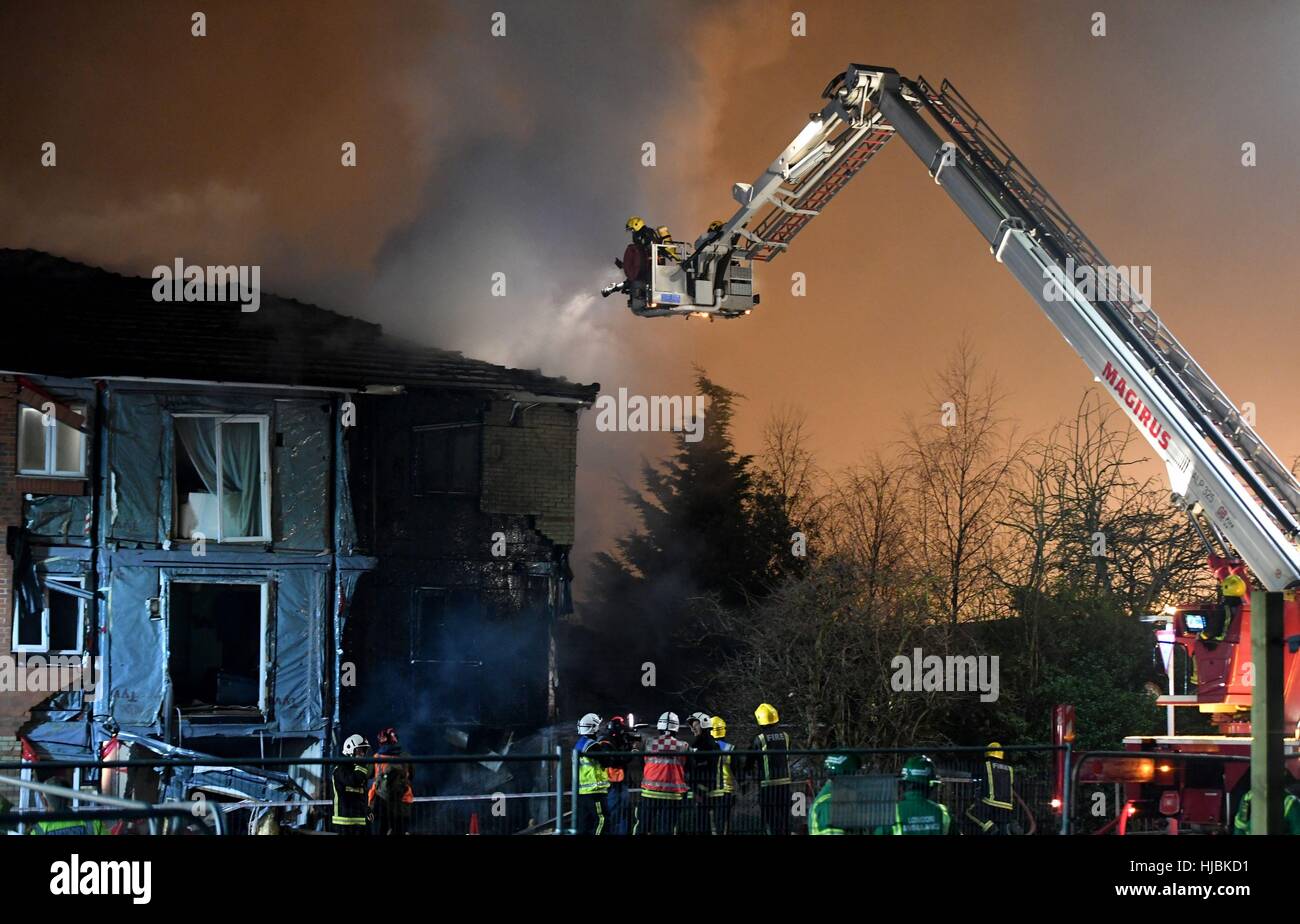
[1219, 468]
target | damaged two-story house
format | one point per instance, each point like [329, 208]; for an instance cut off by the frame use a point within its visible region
[269, 529]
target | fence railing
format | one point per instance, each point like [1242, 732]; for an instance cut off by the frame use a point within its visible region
[516, 794]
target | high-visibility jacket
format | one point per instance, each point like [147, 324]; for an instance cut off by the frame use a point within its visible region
[819, 817]
[772, 764]
[350, 803]
[90, 826]
[915, 814]
[724, 779]
[996, 784]
[1290, 815]
[593, 778]
[665, 768]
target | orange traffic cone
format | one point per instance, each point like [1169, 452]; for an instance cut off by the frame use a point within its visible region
[473, 823]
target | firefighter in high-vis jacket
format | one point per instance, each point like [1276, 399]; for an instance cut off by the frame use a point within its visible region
[771, 764]
[916, 812]
[1232, 591]
[351, 806]
[593, 777]
[618, 801]
[59, 803]
[663, 780]
[722, 792]
[994, 811]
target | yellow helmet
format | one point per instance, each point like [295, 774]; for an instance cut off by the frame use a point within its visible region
[635, 223]
[994, 750]
[1233, 586]
[719, 727]
[663, 232]
[716, 225]
[766, 714]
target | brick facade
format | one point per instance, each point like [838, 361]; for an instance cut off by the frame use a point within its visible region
[530, 466]
[15, 708]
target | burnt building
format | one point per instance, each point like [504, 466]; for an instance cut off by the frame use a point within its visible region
[269, 529]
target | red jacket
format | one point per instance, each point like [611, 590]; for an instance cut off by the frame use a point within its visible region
[665, 768]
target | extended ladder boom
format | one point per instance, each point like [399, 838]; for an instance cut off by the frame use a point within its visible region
[1219, 468]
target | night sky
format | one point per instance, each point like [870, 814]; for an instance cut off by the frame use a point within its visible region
[522, 155]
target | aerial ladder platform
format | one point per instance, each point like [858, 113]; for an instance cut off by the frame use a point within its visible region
[1243, 501]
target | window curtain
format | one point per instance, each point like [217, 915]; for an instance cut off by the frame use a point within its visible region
[199, 437]
[241, 469]
[241, 479]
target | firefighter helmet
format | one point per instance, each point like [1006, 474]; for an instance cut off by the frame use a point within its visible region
[919, 771]
[718, 727]
[352, 743]
[1233, 586]
[668, 722]
[635, 223]
[841, 764]
[588, 724]
[665, 236]
[700, 717]
[716, 225]
[766, 714]
[994, 751]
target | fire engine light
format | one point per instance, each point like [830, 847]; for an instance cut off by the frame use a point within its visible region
[1132, 810]
[1118, 770]
[1170, 610]
[1056, 803]
[1165, 768]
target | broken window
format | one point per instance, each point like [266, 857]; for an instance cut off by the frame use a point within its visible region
[47, 446]
[58, 627]
[444, 652]
[221, 478]
[446, 458]
[217, 652]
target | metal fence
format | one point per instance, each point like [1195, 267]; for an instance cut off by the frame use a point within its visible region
[525, 794]
[867, 795]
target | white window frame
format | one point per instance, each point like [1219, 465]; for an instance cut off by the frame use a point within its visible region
[263, 620]
[51, 434]
[264, 426]
[44, 646]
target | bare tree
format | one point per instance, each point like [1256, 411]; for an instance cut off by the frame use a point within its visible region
[788, 468]
[871, 523]
[959, 463]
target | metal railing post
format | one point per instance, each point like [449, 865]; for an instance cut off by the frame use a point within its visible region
[573, 807]
[559, 789]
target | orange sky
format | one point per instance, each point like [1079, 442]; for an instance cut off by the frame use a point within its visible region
[524, 154]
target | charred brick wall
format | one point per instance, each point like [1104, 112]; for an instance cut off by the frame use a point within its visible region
[530, 465]
[452, 629]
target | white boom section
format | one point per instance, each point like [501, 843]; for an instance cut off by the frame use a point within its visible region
[836, 143]
[1218, 466]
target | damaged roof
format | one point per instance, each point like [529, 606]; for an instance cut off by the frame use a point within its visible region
[62, 318]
